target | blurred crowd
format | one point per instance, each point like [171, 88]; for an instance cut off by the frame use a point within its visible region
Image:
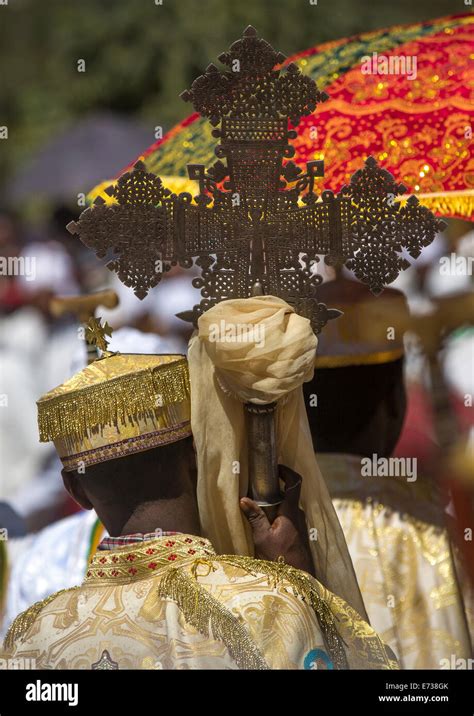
[39, 351]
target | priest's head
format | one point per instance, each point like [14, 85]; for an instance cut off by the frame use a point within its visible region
[122, 429]
[356, 402]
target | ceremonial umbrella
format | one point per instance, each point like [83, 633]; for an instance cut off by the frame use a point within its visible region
[416, 123]
[77, 158]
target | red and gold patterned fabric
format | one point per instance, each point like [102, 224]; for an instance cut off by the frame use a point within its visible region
[419, 129]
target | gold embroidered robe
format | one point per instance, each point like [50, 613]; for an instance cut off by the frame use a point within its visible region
[403, 563]
[172, 603]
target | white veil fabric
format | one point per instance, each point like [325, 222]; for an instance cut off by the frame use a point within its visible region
[259, 350]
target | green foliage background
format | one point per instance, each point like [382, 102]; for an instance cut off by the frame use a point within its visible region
[140, 55]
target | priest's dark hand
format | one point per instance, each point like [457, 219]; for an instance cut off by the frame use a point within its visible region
[287, 536]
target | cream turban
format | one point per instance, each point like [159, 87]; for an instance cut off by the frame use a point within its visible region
[259, 350]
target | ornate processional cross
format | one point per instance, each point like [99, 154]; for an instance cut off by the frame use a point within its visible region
[257, 225]
[257, 220]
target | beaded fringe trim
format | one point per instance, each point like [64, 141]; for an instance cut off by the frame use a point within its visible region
[122, 399]
[25, 620]
[302, 587]
[208, 615]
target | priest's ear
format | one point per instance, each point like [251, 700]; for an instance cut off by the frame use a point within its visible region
[72, 483]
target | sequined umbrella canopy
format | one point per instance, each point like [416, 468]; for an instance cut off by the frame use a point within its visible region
[417, 123]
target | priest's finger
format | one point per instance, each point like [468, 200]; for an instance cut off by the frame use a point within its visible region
[256, 517]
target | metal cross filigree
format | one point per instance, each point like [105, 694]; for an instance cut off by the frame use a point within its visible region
[96, 333]
[257, 220]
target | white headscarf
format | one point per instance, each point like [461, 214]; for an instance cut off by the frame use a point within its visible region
[270, 362]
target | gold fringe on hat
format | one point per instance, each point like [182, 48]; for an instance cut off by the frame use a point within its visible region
[121, 399]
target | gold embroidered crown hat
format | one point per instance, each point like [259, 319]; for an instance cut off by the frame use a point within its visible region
[369, 332]
[117, 405]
